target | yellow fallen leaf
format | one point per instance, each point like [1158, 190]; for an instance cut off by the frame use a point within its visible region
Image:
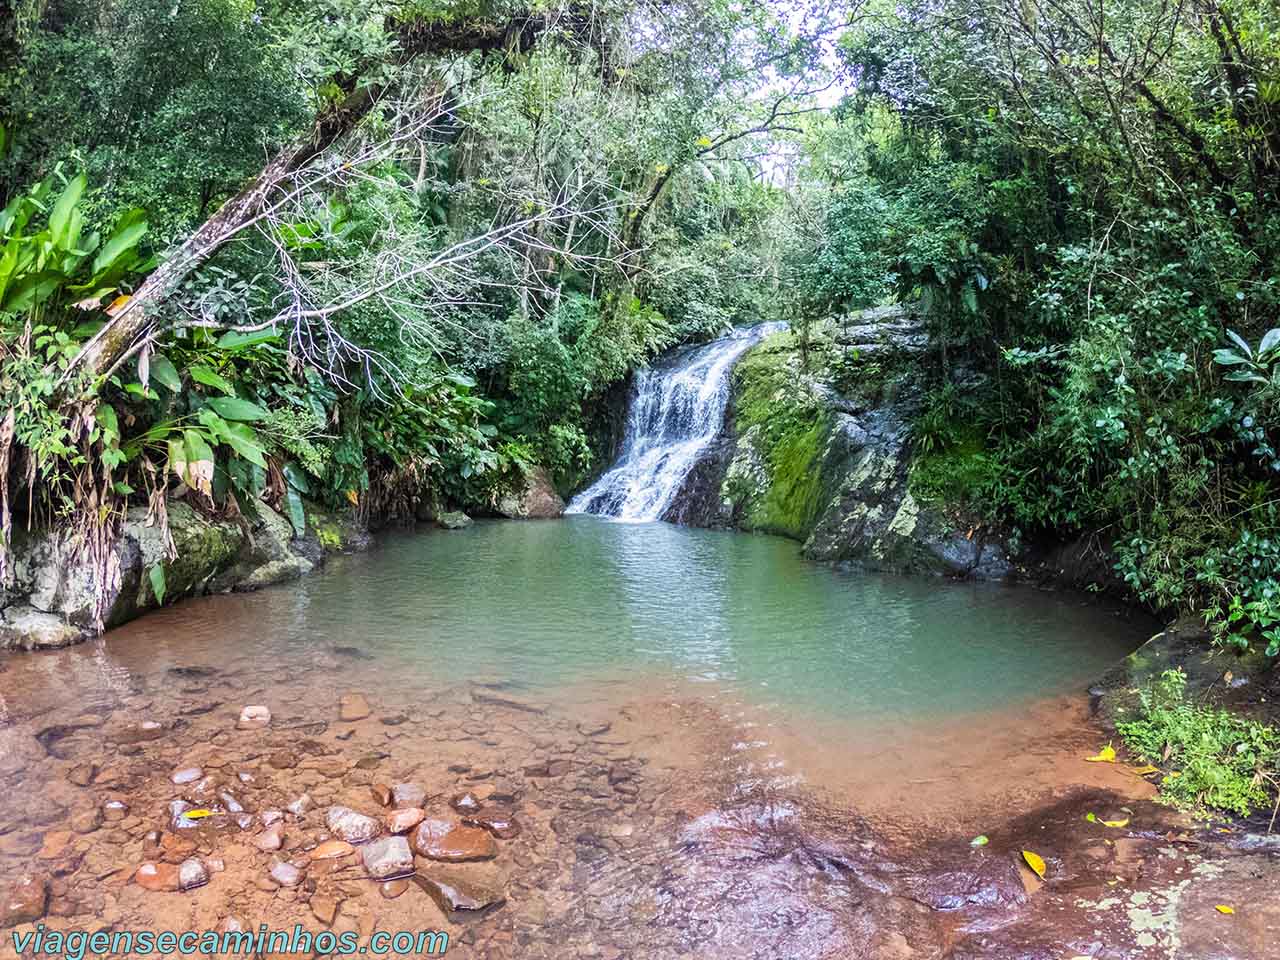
[117, 304]
[1223, 908]
[979, 841]
[354, 498]
[197, 814]
[1117, 824]
[1035, 862]
[1146, 770]
[1106, 755]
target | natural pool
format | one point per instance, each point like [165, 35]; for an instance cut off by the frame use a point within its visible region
[699, 733]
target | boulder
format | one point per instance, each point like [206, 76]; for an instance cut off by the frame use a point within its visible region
[454, 520]
[536, 500]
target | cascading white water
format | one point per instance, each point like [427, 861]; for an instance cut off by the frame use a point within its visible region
[676, 410]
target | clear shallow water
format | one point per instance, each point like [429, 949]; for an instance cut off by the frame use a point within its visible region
[549, 605]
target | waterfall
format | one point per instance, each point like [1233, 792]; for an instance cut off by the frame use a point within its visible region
[675, 412]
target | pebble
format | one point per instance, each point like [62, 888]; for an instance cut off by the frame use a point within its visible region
[114, 811]
[391, 889]
[387, 858]
[271, 838]
[352, 827]
[465, 803]
[192, 873]
[254, 718]
[324, 907]
[87, 821]
[187, 775]
[82, 774]
[286, 874]
[408, 795]
[381, 793]
[402, 821]
[331, 850]
[352, 707]
[301, 805]
[157, 877]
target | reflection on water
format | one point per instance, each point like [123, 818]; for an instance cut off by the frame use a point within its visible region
[712, 748]
[550, 605]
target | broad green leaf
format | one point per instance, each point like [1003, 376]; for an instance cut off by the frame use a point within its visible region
[234, 408]
[199, 462]
[165, 373]
[297, 513]
[297, 479]
[211, 378]
[130, 229]
[60, 218]
[156, 576]
[241, 438]
[1241, 343]
[1270, 341]
[1228, 358]
[178, 458]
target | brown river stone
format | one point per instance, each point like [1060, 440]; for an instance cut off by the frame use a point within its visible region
[452, 842]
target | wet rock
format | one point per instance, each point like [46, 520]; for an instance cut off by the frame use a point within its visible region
[157, 877]
[393, 888]
[455, 893]
[594, 729]
[407, 795]
[402, 821]
[537, 501]
[271, 838]
[24, 900]
[352, 707]
[82, 774]
[489, 698]
[301, 805]
[114, 811]
[452, 842]
[87, 821]
[381, 793]
[325, 907]
[501, 824]
[285, 874]
[387, 858]
[283, 760]
[139, 732]
[268, 817]
[395, 719]
[454, 520]
[332, 850]
[465, 803]
[55, 845]
[254, 718]
[350, 826]
[187, 775]
[192, 873]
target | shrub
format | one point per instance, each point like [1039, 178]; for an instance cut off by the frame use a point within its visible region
[1218, 759]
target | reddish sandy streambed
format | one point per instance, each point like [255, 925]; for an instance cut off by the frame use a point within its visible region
[629, 813]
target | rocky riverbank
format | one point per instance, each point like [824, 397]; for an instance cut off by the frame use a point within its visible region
[212, 798]
[60, 593]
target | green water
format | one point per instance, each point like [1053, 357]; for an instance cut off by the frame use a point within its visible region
[542, 605]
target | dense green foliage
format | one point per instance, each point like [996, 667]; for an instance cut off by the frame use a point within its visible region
[1085, 203]
[1214, 758]
[506, 210]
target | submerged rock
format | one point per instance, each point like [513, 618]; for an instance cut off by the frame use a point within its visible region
[24, 900]
[285, 874]
[254, 718]
[452, 842]
[454, 520]
[352, 707]
[456, 893]
[387, 858]
[402, 821]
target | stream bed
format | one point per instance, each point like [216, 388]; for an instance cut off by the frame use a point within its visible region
[618, 740]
